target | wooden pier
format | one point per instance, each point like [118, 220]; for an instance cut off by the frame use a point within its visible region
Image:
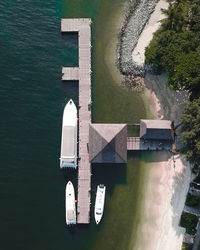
[133, 143]
[136, 143]
[82, 73]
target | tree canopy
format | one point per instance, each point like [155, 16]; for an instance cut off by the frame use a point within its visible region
[175, 47]
[191, 131]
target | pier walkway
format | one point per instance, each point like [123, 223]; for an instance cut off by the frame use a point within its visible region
[133, 143]
[136, 143]
[82, 73]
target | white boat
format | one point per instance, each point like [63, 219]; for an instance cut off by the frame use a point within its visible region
[68, 155]
[70, 204]
[99, 203]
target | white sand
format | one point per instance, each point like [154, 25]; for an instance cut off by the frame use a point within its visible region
[169, 178]
[165, 197]
[147, 34]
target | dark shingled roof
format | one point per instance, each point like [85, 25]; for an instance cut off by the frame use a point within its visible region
[155, 129]
[108, 143]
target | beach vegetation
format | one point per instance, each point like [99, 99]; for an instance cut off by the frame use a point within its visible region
[192, 201]
[186, 247]
[189, 222]
[197, 179]
[175, 48]
[191, 131]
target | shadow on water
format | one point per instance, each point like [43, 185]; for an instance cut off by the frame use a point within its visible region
[150, 156]
[74, 229]
[109, 175]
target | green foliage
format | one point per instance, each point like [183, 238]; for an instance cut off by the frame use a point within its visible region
[187, 74]
[186, 247]
[192, 201]
[197, 179]
[176, 15]
[175, 46]
[175, 49]
[189, 221]
[191, 131]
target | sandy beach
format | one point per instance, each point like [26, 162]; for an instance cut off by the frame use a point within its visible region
[152, 25]
[166, 189]
[169, 175]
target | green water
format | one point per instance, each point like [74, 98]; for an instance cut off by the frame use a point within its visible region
[115, 104]
[112, 103]
[32, 98]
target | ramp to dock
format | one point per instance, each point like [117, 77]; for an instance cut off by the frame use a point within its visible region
[83, 75]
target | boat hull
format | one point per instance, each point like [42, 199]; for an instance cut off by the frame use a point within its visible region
[99, 203]
[68, 155]
[70, 204]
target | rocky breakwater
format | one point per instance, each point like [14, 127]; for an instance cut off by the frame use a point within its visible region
[138, 14]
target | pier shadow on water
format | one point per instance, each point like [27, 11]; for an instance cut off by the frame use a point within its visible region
[150, 156]
[109, 175]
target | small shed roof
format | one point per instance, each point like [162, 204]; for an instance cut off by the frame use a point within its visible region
[157, 124]
[108, 143]
[156, 129]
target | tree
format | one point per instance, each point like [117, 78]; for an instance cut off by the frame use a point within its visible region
[186, 72]
[175, 48]
[191, 131]
[175, 16]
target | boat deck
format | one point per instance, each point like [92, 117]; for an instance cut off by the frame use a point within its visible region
[83, 75]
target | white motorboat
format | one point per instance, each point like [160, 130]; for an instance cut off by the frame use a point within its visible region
[99, 203]
[68, 155]
[70, 204]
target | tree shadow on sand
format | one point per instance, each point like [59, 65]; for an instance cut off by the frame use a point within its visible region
[180, 188]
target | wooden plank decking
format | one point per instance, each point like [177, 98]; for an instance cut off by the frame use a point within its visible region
[136, 143]
[83, 74]
[133, 143]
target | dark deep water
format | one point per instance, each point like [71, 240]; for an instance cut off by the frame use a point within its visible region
[32, 98]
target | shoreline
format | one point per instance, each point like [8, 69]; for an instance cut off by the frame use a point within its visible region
[135, 21]
[165, 195]
[152, 25]
[159, 102]
[168, 175]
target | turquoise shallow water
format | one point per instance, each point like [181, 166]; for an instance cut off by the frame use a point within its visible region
[32, 98]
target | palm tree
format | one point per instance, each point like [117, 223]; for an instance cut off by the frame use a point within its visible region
[174, 16]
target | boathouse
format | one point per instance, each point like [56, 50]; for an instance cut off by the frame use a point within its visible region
[156, 130]
[103, 143]
[108, 143]
[154, 135]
